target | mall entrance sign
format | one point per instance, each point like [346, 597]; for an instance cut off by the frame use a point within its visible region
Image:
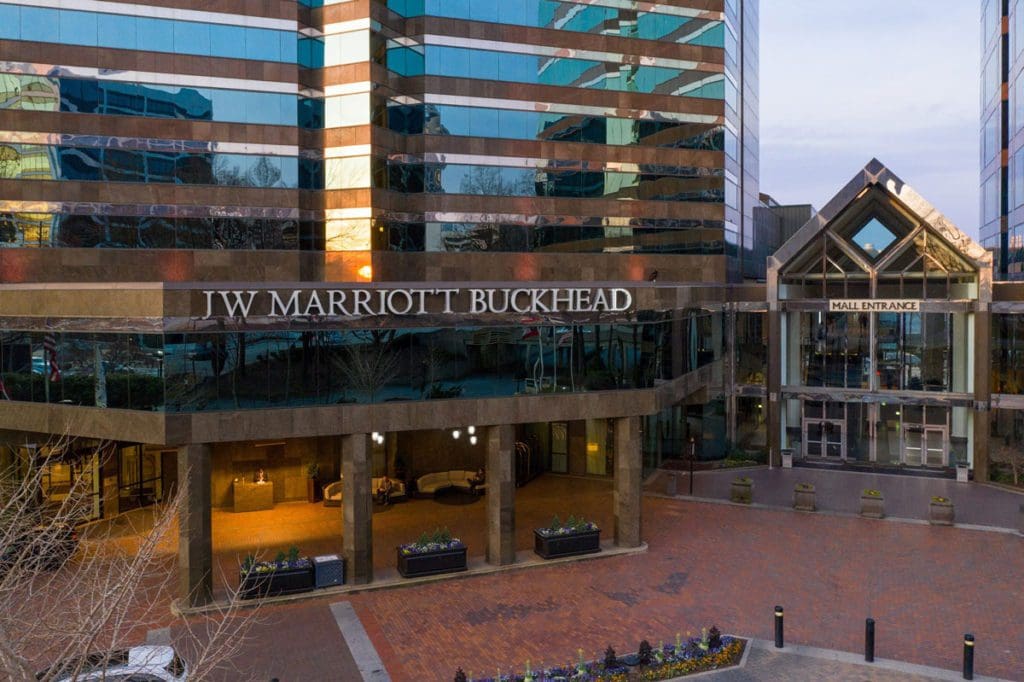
[874, 306]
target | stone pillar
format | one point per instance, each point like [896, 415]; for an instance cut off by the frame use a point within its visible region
[195, 545]
[357, 507]
[628, 480]
[501, 495]
[982, 390]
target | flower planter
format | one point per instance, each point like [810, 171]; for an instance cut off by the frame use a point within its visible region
[431, 563]
[872, 506]
[552, 546]
[741, 490]
[940, 512]
[252, 585]
[804, 497]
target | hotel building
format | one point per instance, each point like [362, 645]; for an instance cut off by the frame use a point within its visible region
[279, 237]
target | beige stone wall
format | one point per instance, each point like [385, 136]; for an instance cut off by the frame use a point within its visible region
[283, 462]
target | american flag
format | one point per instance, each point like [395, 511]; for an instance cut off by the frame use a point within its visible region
[50, 346]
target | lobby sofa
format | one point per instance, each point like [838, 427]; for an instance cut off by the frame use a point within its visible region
[429, 484]
[333, 495]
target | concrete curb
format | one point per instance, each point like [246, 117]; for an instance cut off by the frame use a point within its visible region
[857, 659]
[477, 567]
[823, 512]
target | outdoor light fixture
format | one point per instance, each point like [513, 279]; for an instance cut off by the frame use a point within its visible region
[374, 435]
[379, 438]
[471, 430]
[456, 433]
[472, 439]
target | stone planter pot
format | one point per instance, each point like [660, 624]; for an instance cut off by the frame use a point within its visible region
[962, 473]
[550, 547]
[872, 506]
[742, 490]
[273, 583]
[940, 512]
[804, 497]
[431, 563]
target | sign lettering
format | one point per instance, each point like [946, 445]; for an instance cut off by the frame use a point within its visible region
[874, 306]
[379, 302]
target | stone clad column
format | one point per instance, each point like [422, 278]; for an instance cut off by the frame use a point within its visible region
[501, 490]
[628, 479]
[357, 508]
[982, 391]
[195, 546]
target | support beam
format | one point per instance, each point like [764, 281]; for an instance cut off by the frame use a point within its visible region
[501, 491]
[628, 481]
[982, 391]
[357, 507]
[195, 545]
[774, 404]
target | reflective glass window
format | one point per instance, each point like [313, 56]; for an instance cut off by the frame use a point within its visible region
[73, 27]
[40, 24]
[560, 71]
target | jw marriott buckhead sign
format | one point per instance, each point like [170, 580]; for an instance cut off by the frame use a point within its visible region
[246, 303]
[874, 306]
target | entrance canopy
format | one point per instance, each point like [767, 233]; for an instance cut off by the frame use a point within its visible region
[879, 239]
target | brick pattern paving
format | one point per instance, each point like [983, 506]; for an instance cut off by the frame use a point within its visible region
[925, 586]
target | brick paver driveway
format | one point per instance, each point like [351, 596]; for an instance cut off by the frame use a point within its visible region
[708, 563]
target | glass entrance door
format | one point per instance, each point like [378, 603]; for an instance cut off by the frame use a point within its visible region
[824, 438]
[925, 445]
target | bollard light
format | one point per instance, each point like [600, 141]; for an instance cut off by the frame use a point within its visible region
[869, 640]
[968, 656]
[779, 643]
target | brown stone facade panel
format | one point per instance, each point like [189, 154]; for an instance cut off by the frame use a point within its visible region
[131, 60]
[345, 11]
[99, 301]
[341, 137]
[594, 153]
[140, 126]
[542, 206]
[528, 267]
[164, 265]
[142, 193]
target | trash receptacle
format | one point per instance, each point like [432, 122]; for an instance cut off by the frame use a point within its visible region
[328, 570]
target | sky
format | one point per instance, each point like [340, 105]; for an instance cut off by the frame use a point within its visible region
[842, 82]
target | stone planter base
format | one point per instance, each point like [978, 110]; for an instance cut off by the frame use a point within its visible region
[274, 583]
[940, 513]
[872, 507]
[804, 499]
[415, 565]
[566, 545]
[742, 491]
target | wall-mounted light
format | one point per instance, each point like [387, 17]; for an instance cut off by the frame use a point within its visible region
[379, 439]
[471, 430]
[267, 445]
[456, 433]
[472, 440]
[374, 435]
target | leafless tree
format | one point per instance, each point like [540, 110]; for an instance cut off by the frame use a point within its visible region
[1012, 455]
[368, 366]
[67, 605]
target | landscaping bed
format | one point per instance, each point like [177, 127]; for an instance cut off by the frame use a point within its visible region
[687, 656]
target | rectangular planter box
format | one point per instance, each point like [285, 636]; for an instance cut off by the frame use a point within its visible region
[274, 583]
[447, 561]
[566, 545]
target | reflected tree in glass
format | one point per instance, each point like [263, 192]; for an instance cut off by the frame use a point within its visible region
[368, 363]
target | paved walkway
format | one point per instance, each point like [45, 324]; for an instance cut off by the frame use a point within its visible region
[839, 491]
[727, 565]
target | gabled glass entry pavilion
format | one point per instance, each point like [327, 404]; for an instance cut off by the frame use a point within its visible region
[879, 309]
